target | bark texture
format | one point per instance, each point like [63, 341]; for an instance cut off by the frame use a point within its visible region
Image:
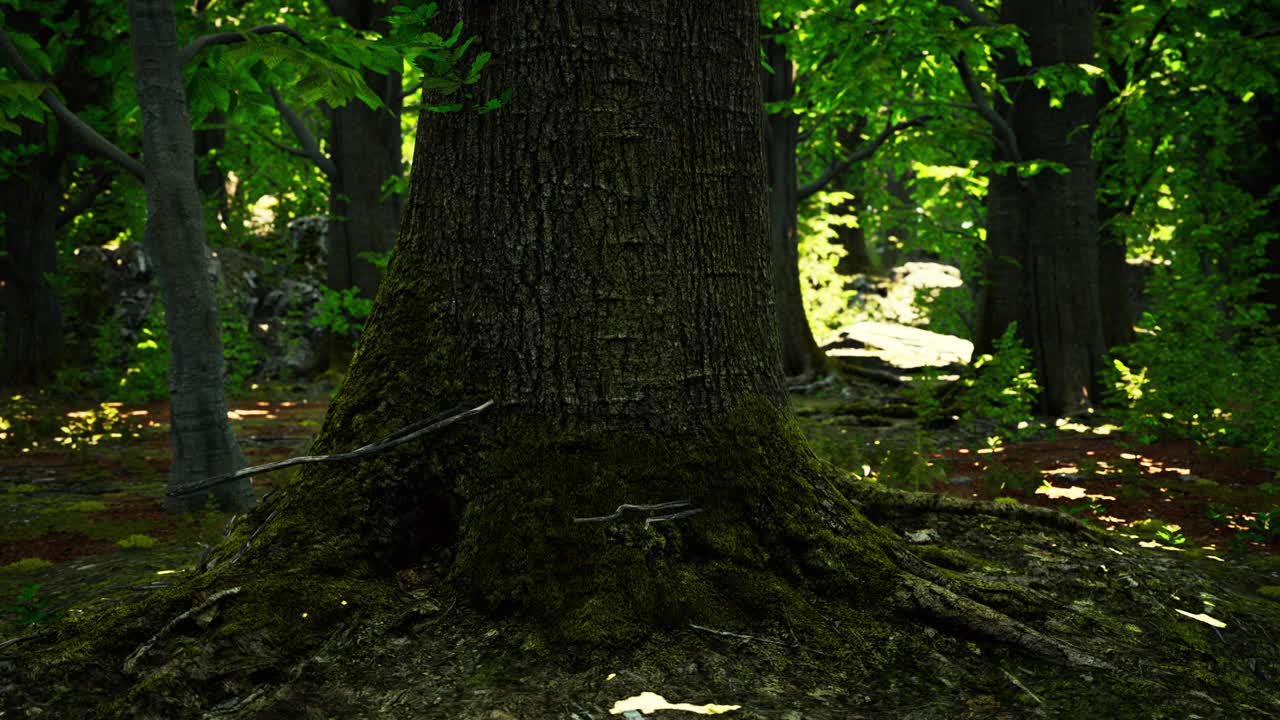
[365, 149]
[203, 444]
[801, 356]
[1042, 231]
[609, 269]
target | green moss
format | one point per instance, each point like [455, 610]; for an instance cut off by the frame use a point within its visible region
[25, 565]
[1271, 592]
[22, 488]
[761, 545]
[87, 506]
[136, 541]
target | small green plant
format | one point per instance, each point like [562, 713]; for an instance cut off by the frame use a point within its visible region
[137, 373]
[342, 312]
[90, 427]
[1170, 535]
[1001, 387]
[922, 392]
[30, 607]
[239, 352]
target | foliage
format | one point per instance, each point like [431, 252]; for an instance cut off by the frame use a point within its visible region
[90, 427]
[30, 608]
[240, 353]
[1205, 365]
[342, 312]
[137, 372]
[1000, 388]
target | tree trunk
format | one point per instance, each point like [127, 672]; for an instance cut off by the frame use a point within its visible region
[31, 348]
[365, 147]
[1042, 231]
[857, 258]
[203, 444]
[801, 356]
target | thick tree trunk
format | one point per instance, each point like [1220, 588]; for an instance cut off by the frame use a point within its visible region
[801, 356]
[1042, 232]
[203, 444]
[365, 147]
[31, 347]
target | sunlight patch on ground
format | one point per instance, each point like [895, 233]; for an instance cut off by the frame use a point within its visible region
[648, 702]
[1074, 492]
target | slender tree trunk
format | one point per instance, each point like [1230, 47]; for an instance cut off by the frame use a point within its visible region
[801, 356]
[1042, 231]
[203, 444]
[31, 348]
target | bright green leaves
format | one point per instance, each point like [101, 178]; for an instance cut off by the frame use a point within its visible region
[442, 62]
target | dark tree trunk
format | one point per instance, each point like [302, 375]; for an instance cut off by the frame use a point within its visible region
[31, 348]
[1259, 175]
[203, 444]
[1114, 277]
[1042, 232]
[365, 147]
[856, 259]
[800, 354]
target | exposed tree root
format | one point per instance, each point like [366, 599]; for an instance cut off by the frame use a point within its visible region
[924, 591]
[940, 604]
[879, 501]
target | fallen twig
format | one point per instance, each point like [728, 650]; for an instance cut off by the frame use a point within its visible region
[399, 437]
[644, 508]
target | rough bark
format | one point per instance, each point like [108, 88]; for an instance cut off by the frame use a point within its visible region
[203, 444]
[801, 356]
[1042, 232]
[32, 345]
[365, 149]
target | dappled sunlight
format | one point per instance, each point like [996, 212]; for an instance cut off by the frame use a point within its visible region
[1074, 492]
[648, 702]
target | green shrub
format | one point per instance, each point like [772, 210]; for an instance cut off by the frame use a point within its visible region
[1000, 388]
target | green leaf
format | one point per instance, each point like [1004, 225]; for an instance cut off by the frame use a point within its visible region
[476, 66]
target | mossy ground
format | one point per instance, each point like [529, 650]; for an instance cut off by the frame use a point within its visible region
[781, 600]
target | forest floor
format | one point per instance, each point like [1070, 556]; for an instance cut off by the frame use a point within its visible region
[81, 526]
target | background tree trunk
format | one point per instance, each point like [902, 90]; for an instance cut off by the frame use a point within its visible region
[31, 349]
[203, 445]
[800, 354]
[365, 146]
[1042, 231]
